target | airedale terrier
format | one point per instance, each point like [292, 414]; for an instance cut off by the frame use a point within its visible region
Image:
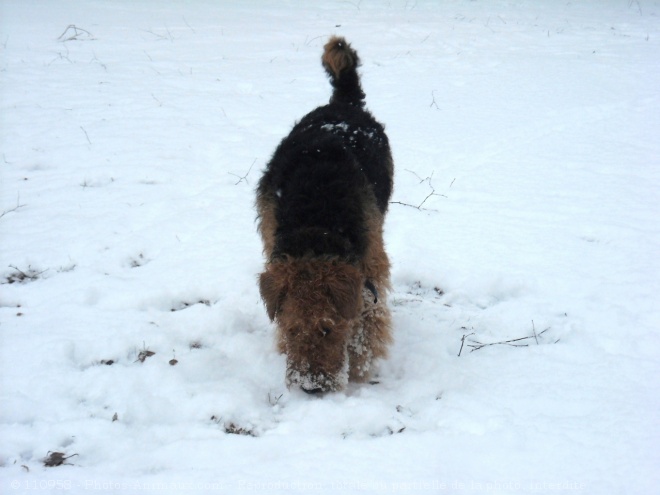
[321, 204]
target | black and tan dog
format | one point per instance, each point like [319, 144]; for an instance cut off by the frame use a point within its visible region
[321, 204]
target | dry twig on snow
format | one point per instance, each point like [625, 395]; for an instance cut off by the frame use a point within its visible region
[74, 33]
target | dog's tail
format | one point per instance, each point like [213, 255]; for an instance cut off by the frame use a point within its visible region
[340, 61]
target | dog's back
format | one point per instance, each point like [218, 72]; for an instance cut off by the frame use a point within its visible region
[325, 170]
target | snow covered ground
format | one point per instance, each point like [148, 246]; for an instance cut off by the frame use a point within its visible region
[526, 205]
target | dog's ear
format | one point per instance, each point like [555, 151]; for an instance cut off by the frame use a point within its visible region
[346, 295]
[271, 292]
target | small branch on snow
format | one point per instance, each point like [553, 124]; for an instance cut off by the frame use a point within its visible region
[463, 342]
[186, 22]
[356, 5]
[160, 36]
[169, 34]
[95, 59]
[432, 193]
[18, 205]
[476, 345]
[433, 103]
[419, 177]
[73, 33]
[308, 41]
[243, 178]
[273, 399]
[86, 135]
[62, 57]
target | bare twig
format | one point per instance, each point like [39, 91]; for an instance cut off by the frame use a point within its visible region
[356, 5]
[432, 193]
[243, 178]
[463, 342]
[273, 399]
[160, 36]
[418, 176]
[186, 22]
[96, 59]
[433, 103]
[62, 57]
[169, 34]
[77, 32]
[18, 205]
[475, 344]
[86, 135]
[308, 41]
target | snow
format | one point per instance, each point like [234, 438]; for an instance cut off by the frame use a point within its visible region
[525, 207]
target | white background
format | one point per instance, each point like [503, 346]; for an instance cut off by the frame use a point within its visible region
[130, 153]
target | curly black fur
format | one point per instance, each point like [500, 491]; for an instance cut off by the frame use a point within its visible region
[323, 175]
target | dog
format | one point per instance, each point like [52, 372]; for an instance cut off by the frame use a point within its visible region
[321, 203]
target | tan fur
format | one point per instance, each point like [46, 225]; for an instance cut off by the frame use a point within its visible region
[371, 334]
[267, 223]
[308, 297]
[314, 303]
[337, 56]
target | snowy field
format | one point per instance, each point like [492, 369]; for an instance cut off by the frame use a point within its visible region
[523, 233]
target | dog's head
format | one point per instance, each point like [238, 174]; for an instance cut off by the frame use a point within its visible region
[314, 304]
